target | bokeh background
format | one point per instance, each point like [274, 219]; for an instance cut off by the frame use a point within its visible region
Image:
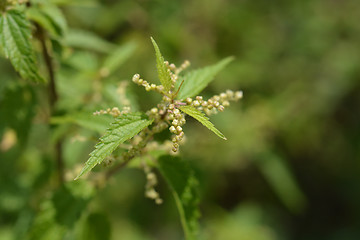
[290, 168]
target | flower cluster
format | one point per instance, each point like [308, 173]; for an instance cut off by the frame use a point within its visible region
[115, 112]
[148, 87]
[151, 182]
[168, 109]
[178, 120]
[216, 103]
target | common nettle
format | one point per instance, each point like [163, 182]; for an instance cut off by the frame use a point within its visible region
[179, 99]
[179, 87]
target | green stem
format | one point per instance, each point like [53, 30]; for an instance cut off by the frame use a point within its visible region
[53, 98]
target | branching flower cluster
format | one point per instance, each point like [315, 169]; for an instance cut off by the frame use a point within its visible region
[168, 109]
[179, 98]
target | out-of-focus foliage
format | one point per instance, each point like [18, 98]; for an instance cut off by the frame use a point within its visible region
[290, 168]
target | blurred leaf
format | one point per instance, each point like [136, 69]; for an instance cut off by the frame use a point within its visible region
[87, 120]
[163, 73]
[17, 108]
[15, 40]
[183, 184]
[83, 3]
[195, 81]
[96, 227]
[200, 116]
[283, 183]
[49, 17]
[120, 95]
[246, 222]
[87, 40]
[59, 214]
[118, 57]
[125, 127]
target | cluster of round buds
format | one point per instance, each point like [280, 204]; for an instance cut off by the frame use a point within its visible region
[216, 103]
[115, 112]
[174, 71]
[148, 87]
[154, 114]
[151, 182]
[121, 92]
[183, 66]
[177, 120]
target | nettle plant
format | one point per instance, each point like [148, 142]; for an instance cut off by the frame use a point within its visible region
[132, 131]
[179, 98]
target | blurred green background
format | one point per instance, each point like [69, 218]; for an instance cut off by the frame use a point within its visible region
[290, 168]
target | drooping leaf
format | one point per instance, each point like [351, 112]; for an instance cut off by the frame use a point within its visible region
[118, 57]
[164, 75]
[280, 178]
[15, 42]
[120, 95]
[200, 116]
[87, 40]
[86, 120]
[96, 227]
[49, 17]
[181, 179]
[195, 81]
[125, 127]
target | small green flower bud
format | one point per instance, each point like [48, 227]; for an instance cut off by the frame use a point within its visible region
[172, 129]
[179, 129]
[196, 103]
[238, 95]
[154, 110]
[175, 122]
[171, 107]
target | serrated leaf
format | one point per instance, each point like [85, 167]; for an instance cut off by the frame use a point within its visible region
[87, 40]
[200, 116]
[125, 127]
[163, 74]
[118, 57]
[15, 41]
[195, 81]
[181, 179]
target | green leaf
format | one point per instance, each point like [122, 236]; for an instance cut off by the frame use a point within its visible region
[162, 70]
[281, 179]
[118, 98]
[87, 40]
[49, 17]
[125, 127]
[180, 177]
[85, 120]
[118, 57]
[200, 116]
[96, 227]
[61, 211]
[195, 81]
[15, 42]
